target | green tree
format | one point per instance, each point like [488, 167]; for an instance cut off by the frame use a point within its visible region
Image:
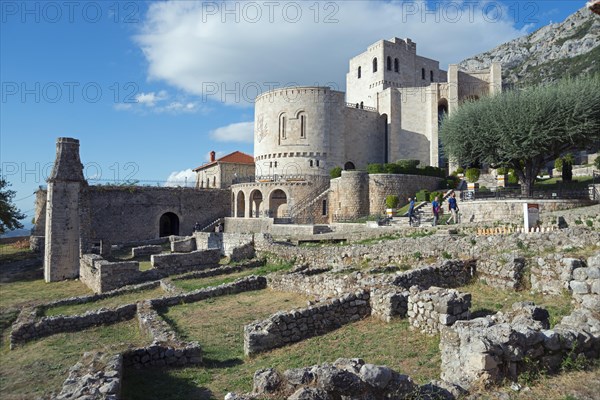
[525, 129]
[9, 213]
[335, 172]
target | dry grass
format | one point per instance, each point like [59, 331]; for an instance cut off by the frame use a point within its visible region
[218, 326]
[41, 366]
[109, 302]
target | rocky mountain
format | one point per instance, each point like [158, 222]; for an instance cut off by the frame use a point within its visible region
[563, 49]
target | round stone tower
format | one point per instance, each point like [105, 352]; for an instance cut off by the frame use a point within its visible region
[295, 131]
[61, 257]
[354, 194]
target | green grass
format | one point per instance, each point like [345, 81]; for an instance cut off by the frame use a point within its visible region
[110, 302]
[201, 283]
[21, 293]
[218, 325]
[13, 252]
[489, 300]
[578, 182]
[41, 366]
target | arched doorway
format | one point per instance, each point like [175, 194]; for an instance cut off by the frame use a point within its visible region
[349, 166]
[168, 224]
[256, 199]
[383, 127]
[278, 204]
[241, 205]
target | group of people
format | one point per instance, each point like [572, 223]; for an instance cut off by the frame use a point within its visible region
[437, 210]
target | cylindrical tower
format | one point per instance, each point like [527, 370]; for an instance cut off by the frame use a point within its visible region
[354, 194]
[295, 131]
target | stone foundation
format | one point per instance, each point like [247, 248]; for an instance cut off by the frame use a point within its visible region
[97, 375]
[502, 271]
[183, 262]
[146, 250]
[284, 328]
[389, 303]
[431, 309]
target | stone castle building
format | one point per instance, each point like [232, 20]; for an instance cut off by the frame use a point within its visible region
[391, 110]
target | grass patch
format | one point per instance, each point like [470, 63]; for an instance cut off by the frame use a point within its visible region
[201, 283]
[109, 302]
[15, 252]
[145, 265]
[41, 366]
[218, 325]
[22, 293]
[579, 182]
[489, 300]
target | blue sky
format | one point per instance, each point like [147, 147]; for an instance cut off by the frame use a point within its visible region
[150, 88]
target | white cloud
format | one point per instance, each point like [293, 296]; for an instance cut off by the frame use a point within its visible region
[185, 178]
[158, 102]
[237, 132]
[201, 48]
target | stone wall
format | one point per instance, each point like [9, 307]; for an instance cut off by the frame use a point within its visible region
[29, 328]
[183, 262]
[284, 328]
[490, 349]
[241, 285]
[389, 303]
[430, 310]
[184, 245]
[502, 271]
[510, 210]
[551, 274]
[103, 276]
[146, 250]
[403, 186]
[236, 246]
[166, 349]
[96, 375]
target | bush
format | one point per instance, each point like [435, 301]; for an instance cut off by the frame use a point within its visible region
[484, 189]
[335, 172]
[558, 164]
[422, 195]
[597, 162]
[391, 201]
[567, 168]
[375, 169]
[460, 170]
[472, 174]
[439, 195]
[408, 164]
[513, 179]
[391, 168]
[502, 171]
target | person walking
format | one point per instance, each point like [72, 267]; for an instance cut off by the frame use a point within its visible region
[411, 211]
[435, 206]
[453, 208]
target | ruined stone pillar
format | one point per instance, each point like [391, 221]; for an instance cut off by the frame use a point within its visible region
[61, 256]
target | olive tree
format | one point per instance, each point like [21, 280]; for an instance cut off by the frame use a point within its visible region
[524, 129]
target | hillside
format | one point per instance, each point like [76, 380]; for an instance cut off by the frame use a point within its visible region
[563, 49]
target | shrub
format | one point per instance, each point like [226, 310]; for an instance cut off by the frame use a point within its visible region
[391, 201]
[375, 169]
[558, 163]
[391, 168]
[422, 195]
[408, 164]
[472, 174]
[440, 196]
[335, 172]
[484, 189]
[502, 171]
[567, 168]
[460, 170]
[597, 162]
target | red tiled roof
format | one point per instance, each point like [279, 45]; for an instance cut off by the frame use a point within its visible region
[237, 157]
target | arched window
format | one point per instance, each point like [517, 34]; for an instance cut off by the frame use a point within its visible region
[214, 181]
[396, 65]
[282, 126]
[423, 73]
[310, 163]
[375, 64]
[431, 76]
[389, 63]
[361, 105]
[302, 125]
[349, 166]
[317, 163]
[359, 72]
[207, 183]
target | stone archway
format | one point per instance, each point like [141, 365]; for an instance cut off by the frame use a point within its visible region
[278, 204]
[241, 205]
[349, 166]
[256, 203]
[168, 224]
